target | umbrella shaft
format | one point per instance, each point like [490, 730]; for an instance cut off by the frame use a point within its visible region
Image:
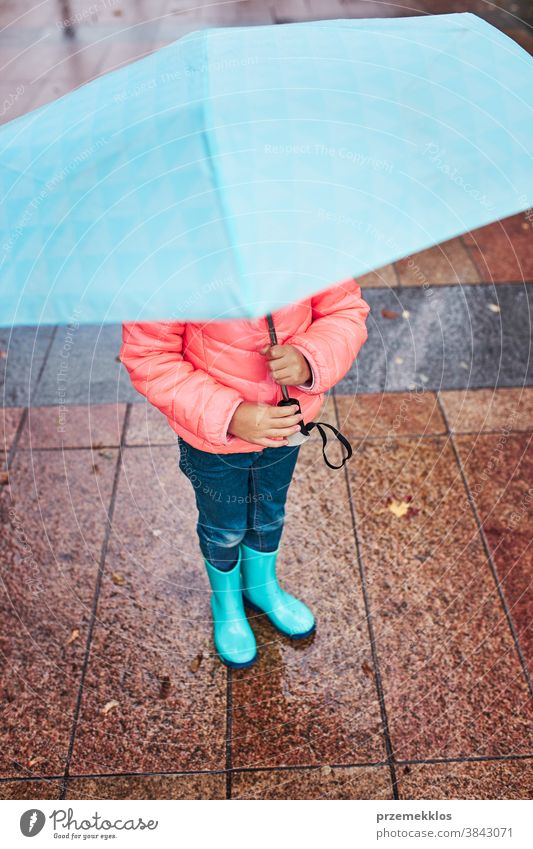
[274, 341]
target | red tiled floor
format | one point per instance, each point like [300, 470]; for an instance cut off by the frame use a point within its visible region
[499, 469]
[385, 276]
[152, 649]
[54, 518]
[476, 410]
[503, 251]
[38, 789]
[322, 783]
[10, 421]
[16, 98]
[51, 58]
[398, 414]
[95, 426]
[313, 701]
[120, 53]
[149, 787]
[452, 680]
[148, 426]
[444, 264]
[471, 780]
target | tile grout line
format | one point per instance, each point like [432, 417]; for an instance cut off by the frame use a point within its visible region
[489, 759]
[488, 552]
[437, 434]
[471, 254]
[397, 276]
[372, 638]
[473, 259]
[96, 595]
[229, 733]
[25, 412]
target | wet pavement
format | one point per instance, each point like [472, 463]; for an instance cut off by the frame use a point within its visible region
[418, 682]
[418, 569]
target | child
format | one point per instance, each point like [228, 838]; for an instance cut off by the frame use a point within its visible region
[219, 383]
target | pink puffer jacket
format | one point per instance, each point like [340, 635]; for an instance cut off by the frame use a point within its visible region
[198, 373]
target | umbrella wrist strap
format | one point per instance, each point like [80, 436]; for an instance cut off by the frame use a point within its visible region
[306, 428]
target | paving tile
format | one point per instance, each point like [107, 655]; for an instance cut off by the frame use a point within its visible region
[95, 426]
[39, 789]
[148, 426]
[238, 13]
[479, 410]
[385, 276]
[152, 648]
[312, 701]
[452, 681]
[470, 780]
[53, 520]
[122, 52]
[52, 57]
[14, 14]
[16, 98]
[149, 787]
[26, 349]
[322, 783]
[85, 359]
[499, 469]
[445, 337]
[10, 421]
[503, 251]
[45, 90]
[444, 264]
[399, 414]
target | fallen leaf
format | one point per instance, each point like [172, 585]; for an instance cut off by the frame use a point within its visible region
[4, 478]
[326, 770]
[195, 664]
[389, 314]
[118, 579]
[74, 634]
[405, 313]
[33, 761]
[398, 360]
[424, 378]
[106, 454]
[367, 669]
[402, 507]
[3, 355]
[156, 532]
[96, 468]
[110, 706]
[494, 308]
[398, 508]
[164, 689]
[525, 225]
[407, 769]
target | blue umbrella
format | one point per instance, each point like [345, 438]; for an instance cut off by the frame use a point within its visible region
[237, 170]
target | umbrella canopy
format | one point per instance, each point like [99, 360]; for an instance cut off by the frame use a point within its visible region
[237, 170]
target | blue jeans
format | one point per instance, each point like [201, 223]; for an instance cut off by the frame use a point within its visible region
[240, 498]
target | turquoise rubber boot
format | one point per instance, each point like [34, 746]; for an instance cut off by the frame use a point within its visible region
[262, 593]
[234, 639]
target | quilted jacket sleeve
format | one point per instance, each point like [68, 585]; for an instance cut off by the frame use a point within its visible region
[152, 354]
[336, 335]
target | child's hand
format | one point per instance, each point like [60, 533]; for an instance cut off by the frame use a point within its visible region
[265, 425]
[288, 366]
